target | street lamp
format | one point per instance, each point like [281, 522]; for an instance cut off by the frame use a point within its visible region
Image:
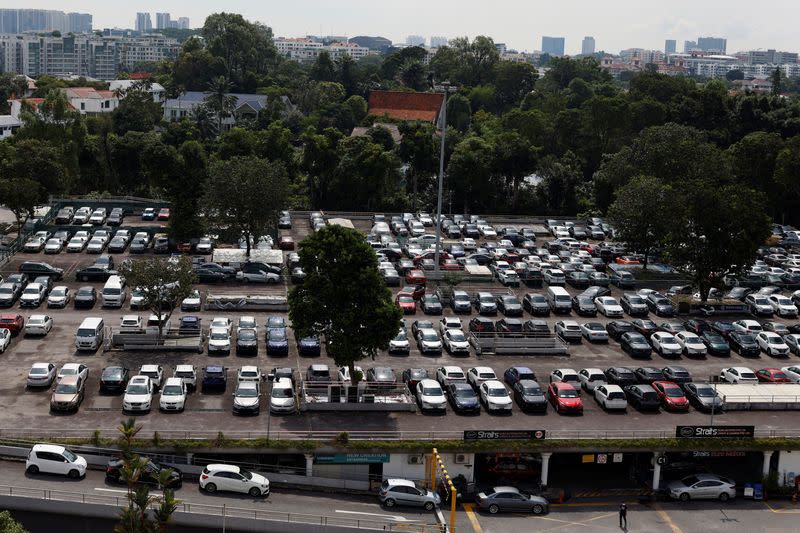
[270, 378]
[438, 246]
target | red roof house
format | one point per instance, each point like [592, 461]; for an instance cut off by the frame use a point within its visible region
[405, 105]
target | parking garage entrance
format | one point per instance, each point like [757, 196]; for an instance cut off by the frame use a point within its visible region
[522, 470]
[583, 473]
[740, 466]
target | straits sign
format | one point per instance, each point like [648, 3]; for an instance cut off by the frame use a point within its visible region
[715, 432]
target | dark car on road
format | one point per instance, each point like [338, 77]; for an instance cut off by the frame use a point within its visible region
[94, 273]
[213, 272]
[510, 499]
[190, 324]
[715, 343]
[149, 473]
[660, 305]
[114, 379]
[649, 374]
[518, 373]
[481, 324]
[430, 304]
[85, 297]
[621, 375]
[643, 397]
[536, 304]
[309, 346]
[584, 306]
[9, 293]
[723, 328]
[645, 327]
[38, 268]
[744, 344]
[463, 398]
[215, 377]
[412, 376]
[247, 341]
[509, 305]
[616, 328]
[635, 344]
[509, 326]
[676, 374]
[277, 341]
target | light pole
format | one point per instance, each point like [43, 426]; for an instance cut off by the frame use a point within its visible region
[438, 246]
[270, 378]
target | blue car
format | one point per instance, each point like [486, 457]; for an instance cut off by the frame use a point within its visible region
[215, 377]
[517, 373]
[277, 341]
[190, 324]
[309, 346]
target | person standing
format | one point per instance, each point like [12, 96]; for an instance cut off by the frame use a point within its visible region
[623, 516]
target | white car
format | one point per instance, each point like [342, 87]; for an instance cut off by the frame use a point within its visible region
[428, 341]
[53, 459]
[738, 374]
[5, 339]
[155, 373]
[611, 397]
[400, 343]
[73, 369]
[591, 378]
[191, 302]
[246, 398]
[691, 343]
[77, 244]
[130, 324]
[53, 246]
[792, 372]
[449, 322]
[479, 374]
[569, 330]
[792, 340]
[98, 216]
[138, 394]
[772, 344]
[233, 479]
[137, 298]
[248, 373]
[446, 375]
[60, 296]
[455, 342]
[431, 396]
[747, 326]
[38, 325]
[594, 332]
[34, 244]
[566, 375]
[258, 277]
[204, 246]
[221, 322]
[173, 395]
[41, 375]
[782, 306]
[758, 304]
[608, 306]
[281, 398]
[495, 396]
[33, 295]
[188, 374]
[665, 343]
[219, 341]
[96, 245]
[246, 322]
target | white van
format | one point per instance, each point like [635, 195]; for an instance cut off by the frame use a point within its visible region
[90, 334]
[114, 292]
[559, 300]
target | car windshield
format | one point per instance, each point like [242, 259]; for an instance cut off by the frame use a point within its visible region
[746, 339]
[407, 299]
[486, 299]
[246, 392]
[246, 473]
[68, 371]
[464, 392]
[706, 392]
[277, 334]
[497, 392]
[183, 374]
[429, 336]
[673, 392]
[219, 335]
[32, 290]
[432, 391]
[775, 340]
[532, 391]
[565, 393]
[538, 299]
[64, 388]
[401, 336]
[247, 335]
[112, 373]
[456, 335]
[280, 392]
[71, 457]
[38, 371]
[461, 297]
[56, 292]
[172, 390]
[137, 389]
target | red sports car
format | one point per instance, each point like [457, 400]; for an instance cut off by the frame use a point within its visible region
[416, 277]
[13, 323]
[772, 375]
[406, 302]
[564, 398]
[671, 396]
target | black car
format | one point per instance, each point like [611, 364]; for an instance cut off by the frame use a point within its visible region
[635, 344]
[190, 324]
[633, 304]
[621, 375]
[536, 327]
[744, 344]
[738, 293]
[645, 327]
[214, 377]
[430, 304]
[85, 297]
[481, 324]
[277, 341]
[616, 328]
[94, 273]
[529, 396]
[596, 292]
[677, 374]
[508, 326]
[578, 279]
[247, 342]
[412, 376]
[715, 343]
[584, 306]
[536, 304]
[38, 268]
[114, 379]
[649, 374]
[309, 346]
[697, 326]
[509, 305]
[381, 377]
[211, 272]
[117, 245]
[643, 397]
[660, 305]
[723, 328]
[463, 398]
[149, 474]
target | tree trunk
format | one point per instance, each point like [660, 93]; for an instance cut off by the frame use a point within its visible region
[646, 259]
[247, 236]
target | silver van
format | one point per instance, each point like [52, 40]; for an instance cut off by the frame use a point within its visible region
[558, 299]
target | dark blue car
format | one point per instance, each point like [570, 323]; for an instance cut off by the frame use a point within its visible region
[277, 341]
[516, 373]
[309, 346]
[190, 324]
[215, 377]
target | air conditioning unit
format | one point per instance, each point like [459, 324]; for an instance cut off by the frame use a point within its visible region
[461, 458]
[416, 459]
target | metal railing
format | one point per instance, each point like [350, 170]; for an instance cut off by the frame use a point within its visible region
[221, 510]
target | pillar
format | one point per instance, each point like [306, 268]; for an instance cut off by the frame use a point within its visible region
[189, 458]
[656, 469]
[545, 467]
[767, 457]
[309, 464]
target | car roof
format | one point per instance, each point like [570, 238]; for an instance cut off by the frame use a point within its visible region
[173, 381]
[149, 368]
[427, 382]
[400, 482]
[494, 384]
[139, 379]
[505, 489]
[183, 367]
[54, 448]
[214, 368]
[282, 383]
[222, 468]
[249, 368]
[449, 369]
[483, 369]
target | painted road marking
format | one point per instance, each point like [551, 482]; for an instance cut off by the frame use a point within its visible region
[396, 518]
[782, 510]
[582, 523]
[469, 508]
[665, 517]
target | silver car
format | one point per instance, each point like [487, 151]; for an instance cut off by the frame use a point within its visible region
[702, 486]
[703, 396]
[404, 492]
[510, 499]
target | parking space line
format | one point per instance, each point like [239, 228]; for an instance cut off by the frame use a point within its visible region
[782, 510]
[469, 509]
[666, 518]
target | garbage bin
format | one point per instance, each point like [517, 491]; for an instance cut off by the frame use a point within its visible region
[758, 491]
[748, 490]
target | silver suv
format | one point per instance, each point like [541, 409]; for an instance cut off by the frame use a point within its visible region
[404, 492]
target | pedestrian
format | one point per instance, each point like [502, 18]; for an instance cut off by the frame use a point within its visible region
[623, 516]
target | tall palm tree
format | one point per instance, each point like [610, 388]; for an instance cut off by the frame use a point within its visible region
[219, 100]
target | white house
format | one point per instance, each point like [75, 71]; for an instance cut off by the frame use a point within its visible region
[8, 125]
[156, 89]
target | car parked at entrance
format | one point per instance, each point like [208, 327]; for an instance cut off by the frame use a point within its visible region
[702, 487]
[395, 491]
[510, 499]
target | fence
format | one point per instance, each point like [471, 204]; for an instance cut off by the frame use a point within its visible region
[517, 344]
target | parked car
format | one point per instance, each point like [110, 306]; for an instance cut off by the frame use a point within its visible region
[430, 395]
[463, 398]
[744, 344]
[396, 491]
[635, 344]
[54, 459]
[564, 398]
[702, 486]
[510, 499]
[671, 396]
[41, 375]
[703, 397]
[138, 394]
[642, 397]
[229, 478]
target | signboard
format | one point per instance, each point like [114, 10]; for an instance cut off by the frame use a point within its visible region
[719, 453]
[587, 458]
[479, 434]
[715, 432]
[617, 457]
[602, 458]
[350, 458]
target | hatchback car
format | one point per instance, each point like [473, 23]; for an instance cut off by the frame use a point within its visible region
[53, 459]
[564, 398]
[229, 478]
[395, 491]
[671, 396]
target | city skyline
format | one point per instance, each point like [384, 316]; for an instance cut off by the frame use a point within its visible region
[614, 29]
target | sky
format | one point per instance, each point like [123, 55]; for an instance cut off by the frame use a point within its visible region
[615, 24]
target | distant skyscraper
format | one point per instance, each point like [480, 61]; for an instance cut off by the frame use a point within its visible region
[553, 46]
[23, 20]
[162, 20]
[670, 46]
[688, 46]
[712, 44]
[143, 22]
[415, 40]
[183, 23]
[587, 46]
[437, 41]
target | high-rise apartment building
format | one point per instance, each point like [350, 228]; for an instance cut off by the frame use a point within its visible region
[688, 46]
[712, 44]
[143, 22]
[162, 21]
[670, 46]
[587, 46]
[437, 41]
[415, 40]
[183, 23]
[553, 46]
[22, 20]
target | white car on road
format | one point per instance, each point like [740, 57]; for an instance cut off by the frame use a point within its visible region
[772, 344]
[138, 394]
[591, 378]
[747, 326]
[665, 343]
[782, 306]
[479, 374]
[431, 396]
[5, 339]
[38, 325]
[173, 395]
[691, 343]
[738, 374]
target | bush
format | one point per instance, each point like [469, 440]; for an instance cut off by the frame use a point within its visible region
[342, 438]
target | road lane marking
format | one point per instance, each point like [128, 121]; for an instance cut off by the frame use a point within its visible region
[582, 523]
[396, 518]
[469, 509]
[666, 518]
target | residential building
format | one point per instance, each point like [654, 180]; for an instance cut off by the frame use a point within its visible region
[641, 56]
[156, 89]
[25, 20]
[587, 46]
[437, 41]
[143, 22]
[689, 46]
[162, 21]
[8, 126]
[501, 48]
[183, 23]
[553, 46]
[247, 106]
[712, 44]
[764, 57]
[340, 49]
[307, 49]
[670, 46]
[400, 105]
[90, 101]
[754, 85]
[415, 40]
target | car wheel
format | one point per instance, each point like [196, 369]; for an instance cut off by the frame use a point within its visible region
[245, 279]
[429, 506]
[33, 469]
[84, 278]
[538, 509]
[254, 492]
[73, 474]
[684, 497]
[210, 487]
[724, 497]
[388, 502]
[493, 508]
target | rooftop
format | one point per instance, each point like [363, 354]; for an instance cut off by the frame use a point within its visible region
[406, 105]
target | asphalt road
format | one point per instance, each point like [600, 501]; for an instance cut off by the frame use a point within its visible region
[212, 412]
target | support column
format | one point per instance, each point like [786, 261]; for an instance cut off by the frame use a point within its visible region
[545, 467]
[309, 464]
[189, 458]
[765, 469]
[657, 469]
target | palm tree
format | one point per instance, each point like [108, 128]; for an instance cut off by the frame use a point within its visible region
[219, 101]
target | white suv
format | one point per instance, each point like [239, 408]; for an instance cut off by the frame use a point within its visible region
[233, 479]
[53, 459]
[173, 395]
[138, 394]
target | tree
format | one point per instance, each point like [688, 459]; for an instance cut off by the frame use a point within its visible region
[323, 69]
[642, 214]
[343, 299]
[9, 525]
[246, 194]
[513, 81]
[733, 75]
[219, 100]
[777, 78]
[459, 112]
[20, 195]
[164, 283]
[468, 171]
[136, 112]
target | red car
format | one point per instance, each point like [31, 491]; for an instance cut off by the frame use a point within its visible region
[184, 247]
[416, 277]
[13, 323]
[451, 265]
[406, 302]
[286, 243]
[564, 398]
[417, 291]
[772, 375]
[671, 396]
[163, 213]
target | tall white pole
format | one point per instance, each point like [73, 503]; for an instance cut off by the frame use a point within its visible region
[438, 220]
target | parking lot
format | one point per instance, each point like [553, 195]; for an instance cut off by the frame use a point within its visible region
[26, 408]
